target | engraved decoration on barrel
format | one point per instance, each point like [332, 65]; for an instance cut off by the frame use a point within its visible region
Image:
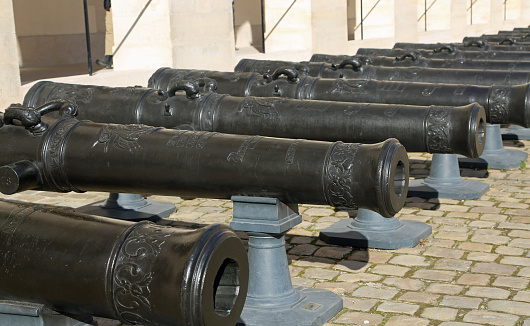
[338, 174]
[133, 272]
[438, 129]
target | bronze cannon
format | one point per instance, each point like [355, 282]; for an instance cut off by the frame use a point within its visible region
[138, 273]
[417, 128]
[66, 154]
[503, 104]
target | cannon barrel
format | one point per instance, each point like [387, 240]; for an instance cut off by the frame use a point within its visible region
[450, 53]
[499, 39]
[415, 59]
[276, 117]
[72, 155]
[355, 68]
[503, 104]
[472, 45]
[341, 66]
[139, 273]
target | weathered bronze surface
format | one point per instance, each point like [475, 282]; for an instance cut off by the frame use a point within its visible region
[499, 39]
[413, 126]
[340, 66]
[415, 59]
[139, 273]
[450, 53]
[354, 68]
[503, 104]
[71, 155]
[475, 45]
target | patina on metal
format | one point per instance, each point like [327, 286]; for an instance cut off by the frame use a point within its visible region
[414, 126]
[355, 68]
[499, 39]
[503, 104]
[415, 59]
[138, 273]
[447, 52]
[71, 155]
[472, 45]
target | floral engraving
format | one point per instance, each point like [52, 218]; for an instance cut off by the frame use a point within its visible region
[291, 151]
[190, 139]
[438, 129]
[133, 273]
[248, 143]
[261, 107]
[73, 92]
[123, 136]
[52, 155]
[338, 178]
[499, 100]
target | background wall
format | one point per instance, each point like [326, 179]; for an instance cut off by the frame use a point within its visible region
[52, 32]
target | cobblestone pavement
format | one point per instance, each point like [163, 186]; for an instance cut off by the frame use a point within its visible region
[473, 270]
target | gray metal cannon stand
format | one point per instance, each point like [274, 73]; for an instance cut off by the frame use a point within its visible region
[131, 207]
[272, 299]
[371, 230]
[515, 132]
[14, 313]
[444, 181]
[495, 156]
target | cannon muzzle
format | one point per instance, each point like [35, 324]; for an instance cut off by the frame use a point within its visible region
[139, 273]
[73, 155]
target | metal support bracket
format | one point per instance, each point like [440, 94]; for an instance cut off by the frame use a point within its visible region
[272, 299]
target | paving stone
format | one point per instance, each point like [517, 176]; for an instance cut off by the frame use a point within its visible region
[299, 281]
[493, 268]
[404, 283]
[470, 216]
[314, 262]
[332, 252]
[511, 282]
[510, 306]
[406, 320]
[494, 217]
[509, 251]
[351, 266]
[461, 302]
[451, 235]
[319, 273]
[453, 264]
[518, 261]
[434, 275]
[422, 297]
[486, 210]
[359, 304]
[337, 287]
[444, 243]
[510, 225]
[519, 234]
[375, 293]
[319, 212]
[490, 318]
[457, 323]
[482, 224]
[522, 296]
[482, 256]
[390, 270]
[471, 246]
[359, 318]
[444, 253]
[359, 277]
[409, 260]
[493, 239]
[443, 288]
[487, 292]
[478, 203]
[303, 249]
[525, 272]
[526, 322]
[398, 307]
[436, 313]
[473, 279]
[453, 208]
